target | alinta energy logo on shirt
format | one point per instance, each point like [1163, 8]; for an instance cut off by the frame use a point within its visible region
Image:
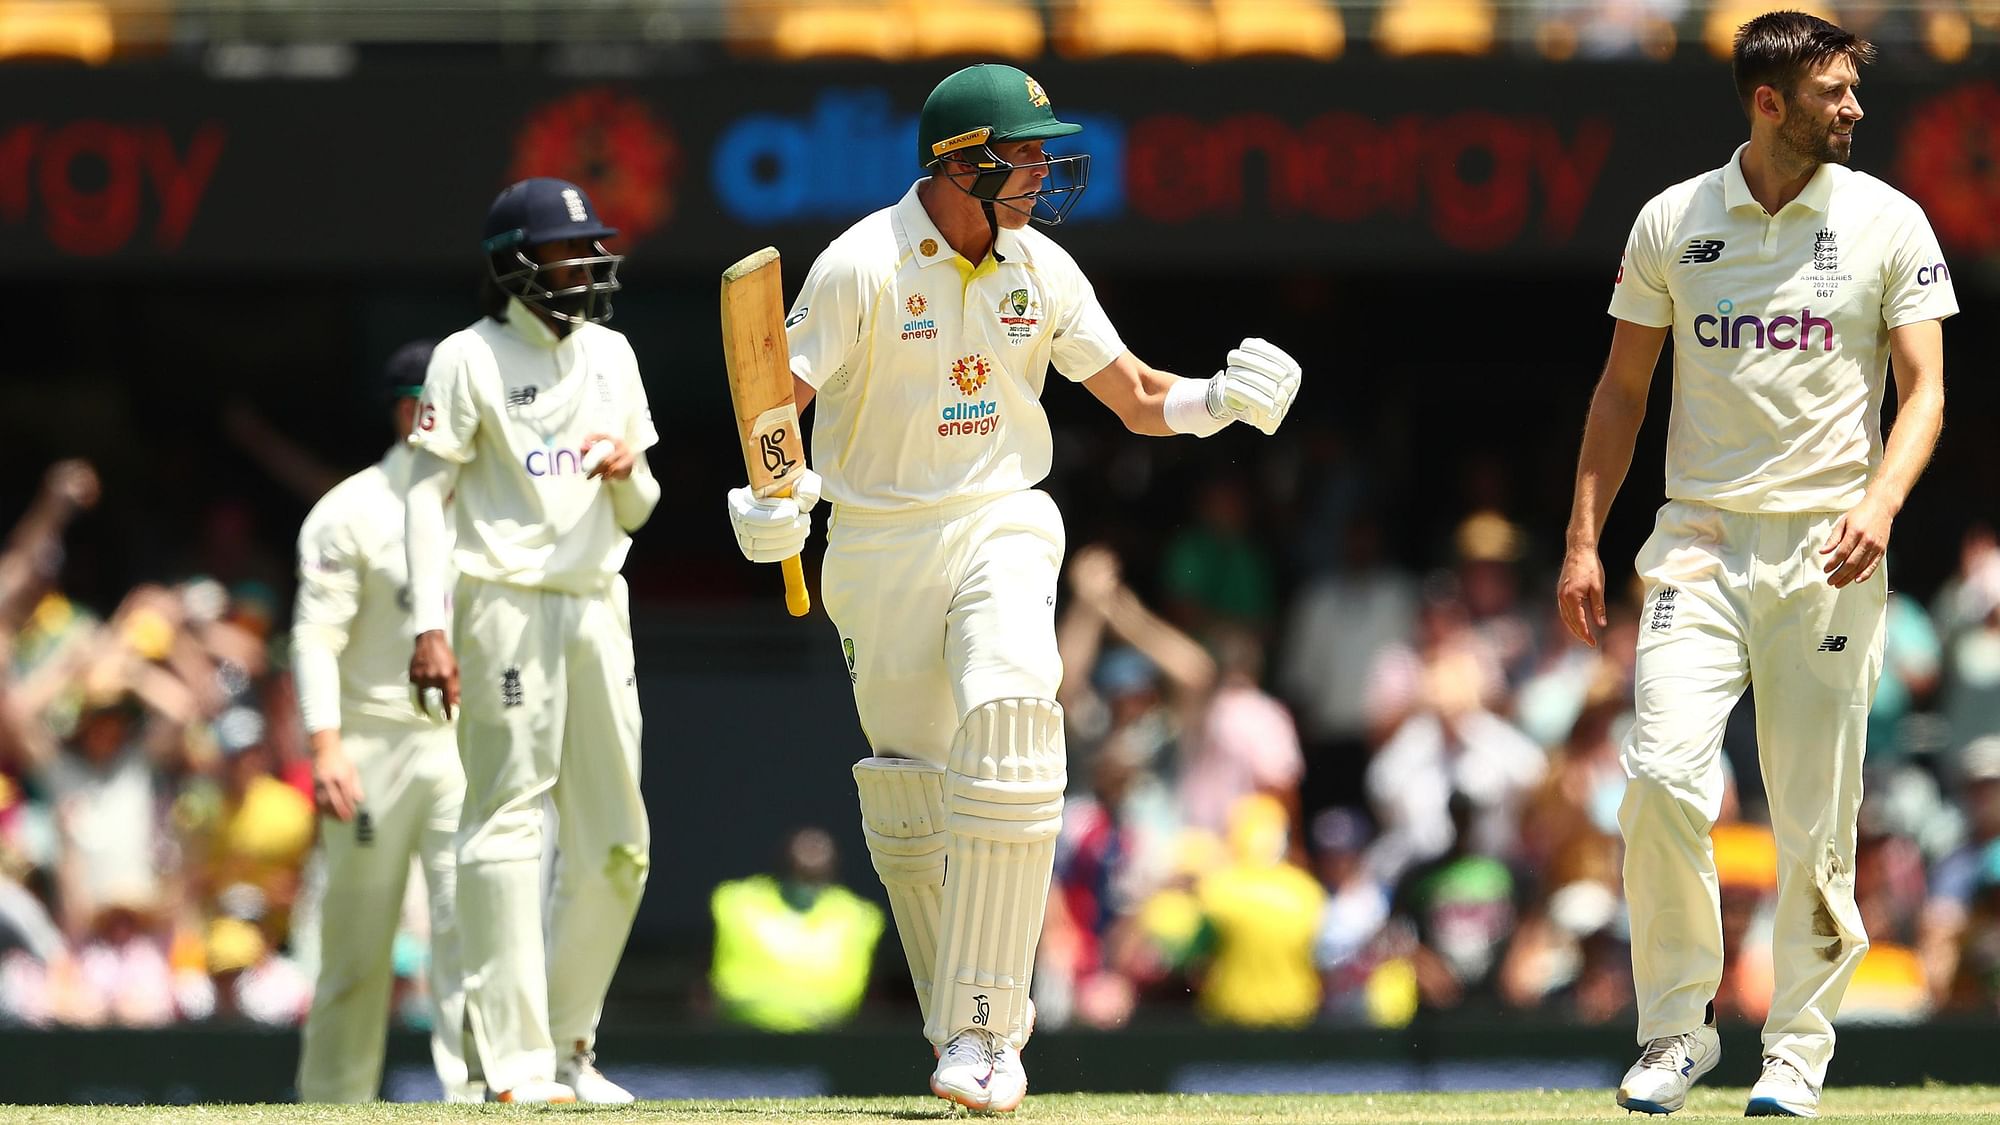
[1726, 328]
[918, 327]
[970, 374]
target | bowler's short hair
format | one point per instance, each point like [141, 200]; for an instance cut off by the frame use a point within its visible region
[1779, 49]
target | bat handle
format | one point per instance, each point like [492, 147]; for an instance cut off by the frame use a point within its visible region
[797, 600]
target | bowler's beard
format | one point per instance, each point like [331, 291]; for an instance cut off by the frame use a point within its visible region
[1810, 142]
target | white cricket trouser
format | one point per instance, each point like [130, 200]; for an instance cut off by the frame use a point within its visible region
[941, 610]
[548, 705]
[1735, 599]
[412, 786]
[947, 622]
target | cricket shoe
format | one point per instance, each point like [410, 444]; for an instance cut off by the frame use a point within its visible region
[1667, 1068]
[1010, 1079]
[535, 1091]
[966, 1069]
[592, 1088]
[1781, 1091]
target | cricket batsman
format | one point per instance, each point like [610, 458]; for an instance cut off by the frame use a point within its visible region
[534, 421]
[926, 333]
[385, 775]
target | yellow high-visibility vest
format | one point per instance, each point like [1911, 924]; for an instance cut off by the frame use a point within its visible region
[782, 970]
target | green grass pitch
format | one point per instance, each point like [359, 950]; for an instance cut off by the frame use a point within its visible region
[1911, 1104]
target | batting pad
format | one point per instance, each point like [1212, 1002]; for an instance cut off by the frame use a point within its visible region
[1003, 792]
[902, 817]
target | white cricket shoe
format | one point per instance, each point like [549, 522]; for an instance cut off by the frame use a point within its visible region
[965, 1070]
[1781, 1091]
[1010, 1079]
[592, 1088]
[533, 1092]
[1659, 1081]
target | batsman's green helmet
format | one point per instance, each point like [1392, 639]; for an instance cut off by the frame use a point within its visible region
[985, 104]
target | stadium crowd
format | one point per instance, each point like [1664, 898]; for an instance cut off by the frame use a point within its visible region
[1308, 783]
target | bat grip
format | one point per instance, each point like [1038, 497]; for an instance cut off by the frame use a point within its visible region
[798, 601]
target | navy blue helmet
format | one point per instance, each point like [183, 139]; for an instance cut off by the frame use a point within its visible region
[543, 210]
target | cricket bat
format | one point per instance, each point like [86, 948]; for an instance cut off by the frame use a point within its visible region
[760, 384]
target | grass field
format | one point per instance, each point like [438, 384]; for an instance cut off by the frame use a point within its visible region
[1926, 1104]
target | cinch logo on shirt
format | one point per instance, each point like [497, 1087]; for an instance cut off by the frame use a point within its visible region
[1785, 333]
[1929, 274]
[553, 462]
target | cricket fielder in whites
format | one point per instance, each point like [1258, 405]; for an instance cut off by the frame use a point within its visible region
[1789, 284]
[926, 333]
[385, 775]
[534, 421]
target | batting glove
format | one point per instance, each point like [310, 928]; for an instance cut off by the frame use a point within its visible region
[1258, 385]
[774, 529]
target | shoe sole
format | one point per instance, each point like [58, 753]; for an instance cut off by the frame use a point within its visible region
[1641, 1105]
[505, 1099]
[957, 1099]
[1772, 1107]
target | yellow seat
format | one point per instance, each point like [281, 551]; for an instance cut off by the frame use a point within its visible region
[808, 29]
[59, 29]
[1307, 28]
[1719, 31]
[1181, 29]
[1435, 27]
[1007, 29]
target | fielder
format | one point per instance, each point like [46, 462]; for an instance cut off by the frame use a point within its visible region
[386, 775]
[1788, 283]
[926, 333]
[534, 420]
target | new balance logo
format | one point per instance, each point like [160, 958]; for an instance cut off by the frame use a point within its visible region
[1702, 250]
[510, 688]
[1687, 1067]
[520, 396]
[1833, 644]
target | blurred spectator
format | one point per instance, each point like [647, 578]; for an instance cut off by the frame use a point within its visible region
[1975, 982]
[793, 951]
[1356, 908]
[1490, 547]
[1572, 955]
[252, 981]
[1264, 914]
[1968, 614]
[1444, 648]
[1093, 887]
[1569, 826]
[1911, 664]
[1449, 746]
[1135, 702]
[1945, 931]
[1338, 626]
[1245, 744]
[248, 839]
[1213, 572]
[1458, 910]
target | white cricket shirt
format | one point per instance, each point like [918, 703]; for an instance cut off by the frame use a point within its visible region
[354, 596]
[928, 371]
[511, 403]
[1781, 330]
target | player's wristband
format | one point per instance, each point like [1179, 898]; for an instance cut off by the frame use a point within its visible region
[1187, 409]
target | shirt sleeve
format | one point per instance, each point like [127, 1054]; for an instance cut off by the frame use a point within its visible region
[640, 433]
[1917, 284]
[1085, 341]
[827, 319]
[1639, 294]
[329, 596]
[447, 413]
